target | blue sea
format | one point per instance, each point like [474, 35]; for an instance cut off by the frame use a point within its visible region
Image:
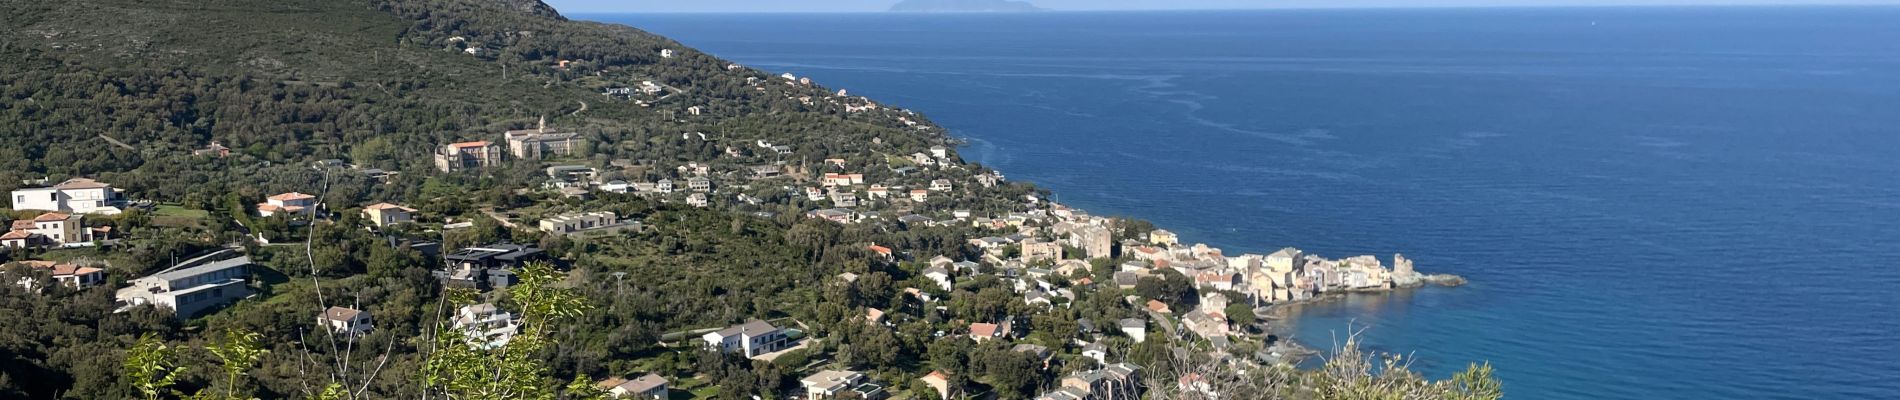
[1650, 203]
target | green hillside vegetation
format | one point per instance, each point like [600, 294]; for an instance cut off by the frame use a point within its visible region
[285, 84]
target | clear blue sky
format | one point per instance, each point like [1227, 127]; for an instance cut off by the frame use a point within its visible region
[586, 6]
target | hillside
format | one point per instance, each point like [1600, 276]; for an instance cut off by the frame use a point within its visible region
[287, 82]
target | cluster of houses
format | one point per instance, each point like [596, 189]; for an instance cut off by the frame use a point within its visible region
[70, 274]
[1036, 249]
[63, 221]
[527, 144]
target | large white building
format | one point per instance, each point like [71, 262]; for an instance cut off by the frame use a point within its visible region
[194, 286]
[751, 339]
[77, 195]
[485, 325]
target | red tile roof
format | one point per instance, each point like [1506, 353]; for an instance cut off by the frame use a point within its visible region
[464, 145]
[292, 196]
[983, 330]
[80, 183]
[1158, 306]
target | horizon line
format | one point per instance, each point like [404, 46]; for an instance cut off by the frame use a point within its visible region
[1288, 8]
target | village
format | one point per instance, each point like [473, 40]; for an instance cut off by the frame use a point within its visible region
[1043, 252]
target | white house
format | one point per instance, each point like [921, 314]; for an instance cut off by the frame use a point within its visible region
[940, 275]
[292, 203]
[485, 325]
[751, 339]
[77, 195]
[346, 321]
[1135, 328]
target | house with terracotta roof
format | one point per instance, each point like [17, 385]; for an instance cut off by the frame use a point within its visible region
[1159, 307]
[649, 386]
[982, 332]
[386, 215]
[346, 321]
[464, 156]
[68, 274]
[77, 195]
[939, 381]
[52, 229]
[835, 179]
[920, 195]
[881, 251]
[293, 204]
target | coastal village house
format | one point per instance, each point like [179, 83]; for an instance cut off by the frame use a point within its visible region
[293, 204]
[52, 230]
[67, 274]
[750, 339]
[386, 215]
[192, 287]
[649, 386]
[938, 381]
[1163, 238]
[1038, 250]
[346, 321]
[456, 157]
[77, 196]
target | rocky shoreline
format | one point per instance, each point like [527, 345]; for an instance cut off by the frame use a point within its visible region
[1284, 348]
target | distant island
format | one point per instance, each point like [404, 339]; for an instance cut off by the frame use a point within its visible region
[964, 6]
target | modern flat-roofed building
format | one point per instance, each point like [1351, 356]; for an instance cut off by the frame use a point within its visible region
[193, 287]
[486, 267]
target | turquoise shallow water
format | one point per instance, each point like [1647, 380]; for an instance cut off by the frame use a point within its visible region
[1651, 203]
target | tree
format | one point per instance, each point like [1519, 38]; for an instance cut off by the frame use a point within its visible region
[459, 368]
[1240, 314]
[150, 367]
[236, 354]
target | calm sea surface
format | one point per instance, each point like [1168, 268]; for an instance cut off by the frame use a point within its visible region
[1666, 203]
